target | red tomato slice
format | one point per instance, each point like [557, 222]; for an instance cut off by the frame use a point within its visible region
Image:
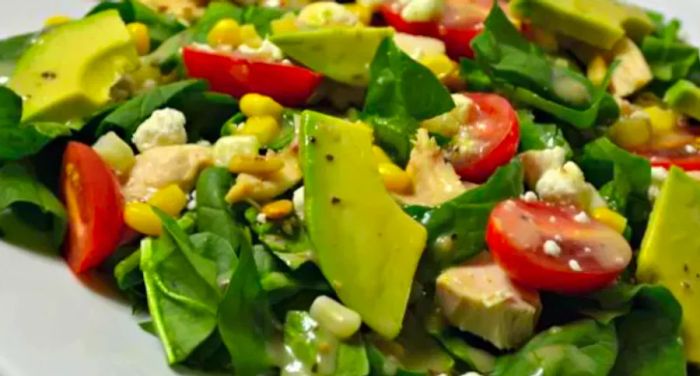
[288, 84]
[462, 21]
[95, 207]
[488, 140]
[543, 246]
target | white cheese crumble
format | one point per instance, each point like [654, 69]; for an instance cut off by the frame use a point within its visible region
[565, 184]
[690, 149]
[552, 248]
[421, 10]
[192, 202]
[267, 51]
[582, 217]
[164, 128]
[298, 200]
[575, 266]
[529, 196]
[658, 177]
[261, 218]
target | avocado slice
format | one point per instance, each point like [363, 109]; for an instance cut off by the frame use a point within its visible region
[340, 53]
[684, 97]
[599, 23]
[366, 246]
[670, 252]
[68, 73]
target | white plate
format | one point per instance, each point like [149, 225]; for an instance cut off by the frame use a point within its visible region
[50, 322]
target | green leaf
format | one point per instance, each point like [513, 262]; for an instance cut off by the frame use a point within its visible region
[534, 136]
[286, 238]
[129, 278]
[303, 338]
[131, 114]
[160, 26]
[182, 291]
[474, 358]
[584, 348]
[668, 56]
[215, 248]
[464, 218]
[244, 320]
[474, 76]
[214, 214]
[401, 93]
[261, 17]
[521, 70]
[11, 49]
[33, 204]
[206, 112]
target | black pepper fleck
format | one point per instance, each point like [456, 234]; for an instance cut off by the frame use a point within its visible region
[330, 157]
[685, 268]
[685, 285]
[312, 139]
[48, 75]
[335, 201]
[453, 236]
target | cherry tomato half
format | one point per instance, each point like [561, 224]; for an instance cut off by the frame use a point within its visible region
[95, 207]
[235, 75]
[488, 140]
[544, 246]
[462, 21]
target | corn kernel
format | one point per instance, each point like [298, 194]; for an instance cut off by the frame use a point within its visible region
[441, 65]
[610, 218]
[631, 133]
[237, 193]
[260, 105]
[57, 20]
[395, 179]
[278, 209]
[141, 37]
[265, 128]
[662, 120]
[226, 32]
[170, 199]
[286, 24]
[250, 37]
[255, 165]
[363, 12]
[140, 217]
[380, 156]
[597, 69]
[116, 153]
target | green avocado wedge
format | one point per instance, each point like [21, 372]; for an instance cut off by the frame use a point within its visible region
[684, 97]
[366, 246]
[670, 253]
[340, 53]
[68, 72]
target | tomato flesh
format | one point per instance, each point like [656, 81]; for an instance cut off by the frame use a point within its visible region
[488, 139]
[95, 207]
[461, 22]
[228, 73]
[544, 246]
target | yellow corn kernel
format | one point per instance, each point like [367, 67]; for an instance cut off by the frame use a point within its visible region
[278, 209]
[662, 120]
[170, 199]
[597, 69]
[395, 179]
[237, 193]
[380, 156]
[631, 133]
[250, 37]
[140, 217]
[363, 12]
[260, 105]
[255, 165]
[265, 128]
[141, 37]
[226, 32]
[57, 20]
[286, 24]
[441, 65]
[610, 218]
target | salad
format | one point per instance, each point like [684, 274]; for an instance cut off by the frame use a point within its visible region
[401, 187]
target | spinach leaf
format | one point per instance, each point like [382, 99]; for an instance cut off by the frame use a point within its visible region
[11, 49]
[475, 76]
[290, 121]
[206, 112]
[218, 249]
[129, 279]
[582, 348]
[182, 290]
[304, 339]
[245, 320]
[669, 57]
[160, 26]
[214, 214]
[522, 71]
[474, 358]
[168, 56]
[286, 238]
[463, 219]
[401, 93]
[32, 203]
[131, 114]
[261, 17]
[534, 136]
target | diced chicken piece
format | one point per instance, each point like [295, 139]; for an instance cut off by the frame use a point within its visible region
[435, 180]
[265, 187]
[480, 298]
[633, 73]
[163, 166]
